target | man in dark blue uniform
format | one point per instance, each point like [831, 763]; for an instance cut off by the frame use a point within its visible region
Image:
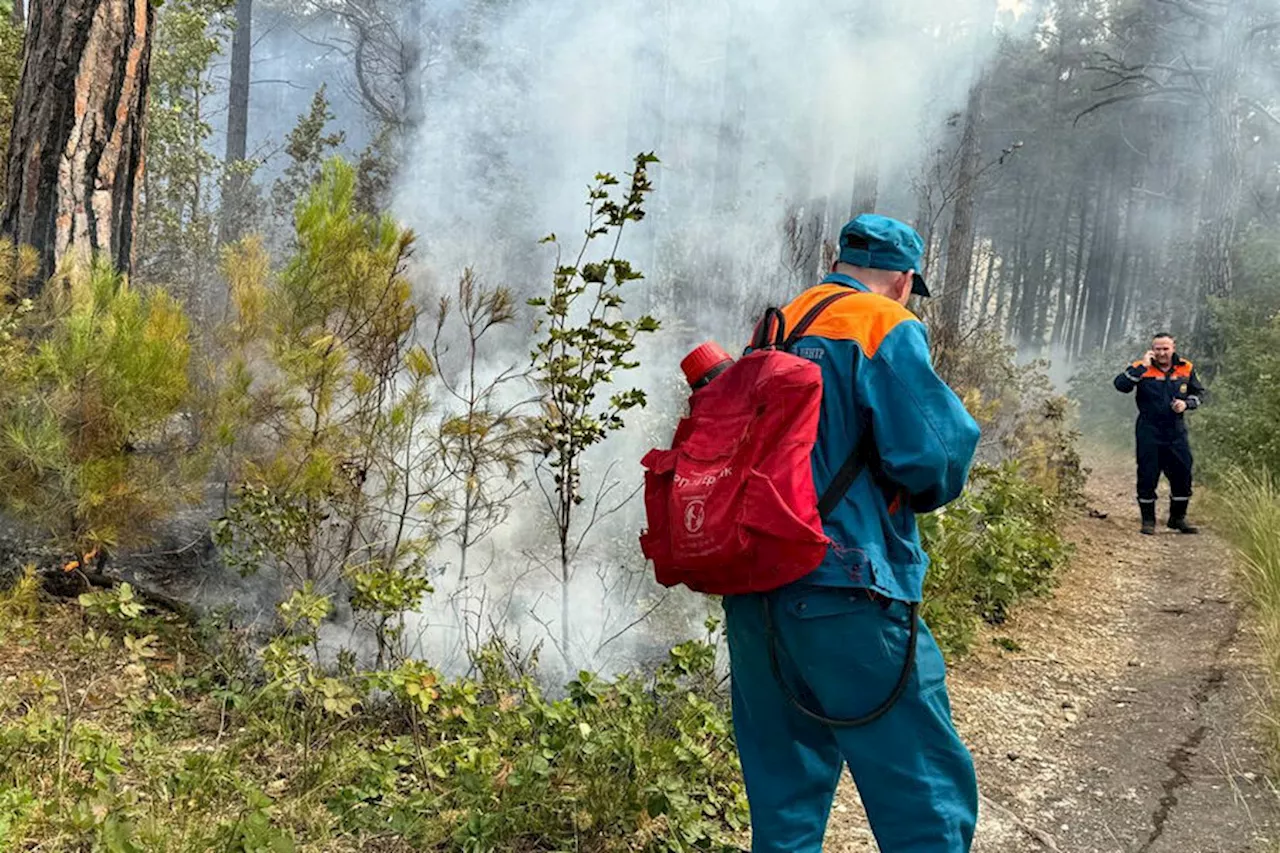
[1167, 388]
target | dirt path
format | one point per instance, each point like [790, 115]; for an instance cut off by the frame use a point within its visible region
[1122, 722]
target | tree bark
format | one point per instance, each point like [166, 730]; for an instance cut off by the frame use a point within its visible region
[866, 177]
[76, 152]
[412, 57]
[983, 302]
[1032, 245]
[1224, 182]
[237, 181]
[1061, 273]
[1099, 274]
[1056, 273]
[1017, 271]
[1033, 290]
[1119, 286]
[1077, 287]
[960, 239]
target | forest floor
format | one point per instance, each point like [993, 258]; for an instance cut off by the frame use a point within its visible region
[1124, 719]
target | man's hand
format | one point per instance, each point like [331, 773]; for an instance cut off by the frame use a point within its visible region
[1148, 358]
[1179, 406]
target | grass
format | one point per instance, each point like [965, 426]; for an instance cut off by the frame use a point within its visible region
[1247, 507]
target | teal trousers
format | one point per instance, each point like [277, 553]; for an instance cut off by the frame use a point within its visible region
[841, 653]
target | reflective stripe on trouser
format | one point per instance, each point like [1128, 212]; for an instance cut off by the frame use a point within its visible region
[842, 653]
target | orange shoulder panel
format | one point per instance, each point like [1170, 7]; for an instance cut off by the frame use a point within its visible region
[1183, 371]
[864, 318]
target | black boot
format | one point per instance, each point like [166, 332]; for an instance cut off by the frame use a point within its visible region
[1148, 517]
[1178, 516]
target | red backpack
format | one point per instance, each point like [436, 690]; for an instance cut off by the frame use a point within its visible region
[731, 506]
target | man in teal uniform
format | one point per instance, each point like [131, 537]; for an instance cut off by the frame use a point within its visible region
[837, 668]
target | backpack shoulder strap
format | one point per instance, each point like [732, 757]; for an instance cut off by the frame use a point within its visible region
[844, 479]
[860, 457]
[771, 331]
[802, 327]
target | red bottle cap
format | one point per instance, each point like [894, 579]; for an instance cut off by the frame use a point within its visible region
[697, 363]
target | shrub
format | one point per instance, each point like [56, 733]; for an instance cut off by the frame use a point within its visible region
[1022, 417]
[999, 542]
[484, 763]
[321, 397]
[995, 545]
[20, 604]
[577, 360]
[1238, 424]
[627, 764]
[93, 380]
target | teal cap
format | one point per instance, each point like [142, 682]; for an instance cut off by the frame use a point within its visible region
[878, 242]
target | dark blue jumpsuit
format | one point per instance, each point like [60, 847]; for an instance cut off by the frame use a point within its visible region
[1161, 433]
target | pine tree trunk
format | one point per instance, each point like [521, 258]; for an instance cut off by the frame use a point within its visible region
[1061, 271]
[412, 57]
[866, 177]
[1120, 289]
[923, 223]
[960, 239]
[1033, 294]
[1098, 276]
[1077, 286]
[233, 202]
[76, 153]
[1056, 274]
[979, 306]
[1031, 270]
[1224, 182]
[1017, 277]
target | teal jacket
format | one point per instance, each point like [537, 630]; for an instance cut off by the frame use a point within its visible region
[877, 375]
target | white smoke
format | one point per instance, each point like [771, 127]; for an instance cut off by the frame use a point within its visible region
[751, 106]
[563, 89]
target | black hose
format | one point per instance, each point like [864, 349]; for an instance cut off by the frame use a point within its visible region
[847, 723]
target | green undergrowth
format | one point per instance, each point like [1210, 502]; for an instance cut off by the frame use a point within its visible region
[117, 734]
[1001, 541]
[121, 731]
[998, 544]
